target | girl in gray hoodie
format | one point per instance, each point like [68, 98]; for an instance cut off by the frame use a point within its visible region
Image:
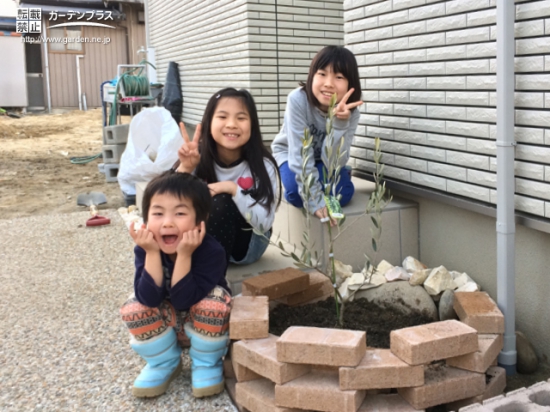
[332, 71]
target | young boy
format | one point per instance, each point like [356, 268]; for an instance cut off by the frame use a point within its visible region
[181, 297]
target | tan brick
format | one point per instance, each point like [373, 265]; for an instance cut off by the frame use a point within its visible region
[444, 384]
[325, 368]
[322, 346]
[249, 318]
[438, 340]
[228, 371]
[230, 387]
[489, 348]
[479, 311]
[259, 396]
[276, 284]
[380, 369]
[242, 373]
[319, 286]
[318, 391]
[496, 382]
[260, 356]
[386, 403]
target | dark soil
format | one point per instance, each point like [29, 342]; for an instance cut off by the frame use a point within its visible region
[377, 321]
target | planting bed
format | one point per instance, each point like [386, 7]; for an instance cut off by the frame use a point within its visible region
[303, 361]
[376, 320]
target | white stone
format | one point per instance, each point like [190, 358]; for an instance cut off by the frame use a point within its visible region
[419, 277]
[412, 265]
[397, 273]
[439, 280]
[344, 291]
[374, 279]
[469, 287]
[460, 279]
[356, 281]
[343, 270]
[383, 267]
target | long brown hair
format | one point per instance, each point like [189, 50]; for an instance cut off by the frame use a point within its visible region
[254, 151]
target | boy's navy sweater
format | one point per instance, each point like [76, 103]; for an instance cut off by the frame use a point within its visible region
[208, 267]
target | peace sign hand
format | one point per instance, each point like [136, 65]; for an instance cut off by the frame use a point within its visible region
[342, 109]
[188, 153]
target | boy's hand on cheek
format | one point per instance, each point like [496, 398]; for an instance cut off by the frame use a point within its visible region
[144, 238]
[191, 240]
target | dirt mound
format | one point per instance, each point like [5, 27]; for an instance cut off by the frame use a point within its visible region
[36, 174]
[37, 126]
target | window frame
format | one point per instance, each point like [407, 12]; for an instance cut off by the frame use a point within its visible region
[65, 35]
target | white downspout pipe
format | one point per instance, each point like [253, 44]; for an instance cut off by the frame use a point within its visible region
[151, 54]
[147, 29]
[47, 67]
[506, 226]
[78, 57]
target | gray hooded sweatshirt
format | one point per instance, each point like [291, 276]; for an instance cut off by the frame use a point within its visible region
[287, 145]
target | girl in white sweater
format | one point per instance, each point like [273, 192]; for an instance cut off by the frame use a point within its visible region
[228, 153]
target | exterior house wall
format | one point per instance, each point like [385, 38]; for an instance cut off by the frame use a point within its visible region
[263, 46]
[13, 81]
[98, 65]
[136, 33]
[429, 72]
[209, 41]
[285, 36]
[99, 62]
[428, 69]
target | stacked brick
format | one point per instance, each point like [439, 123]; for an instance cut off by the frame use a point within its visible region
[333, 370]
[114, 143]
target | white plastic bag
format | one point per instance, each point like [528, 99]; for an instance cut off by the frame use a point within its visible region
[152, 148]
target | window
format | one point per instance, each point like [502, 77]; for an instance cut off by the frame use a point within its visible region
[66, 39]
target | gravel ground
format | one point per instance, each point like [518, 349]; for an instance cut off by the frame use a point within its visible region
[62, 344]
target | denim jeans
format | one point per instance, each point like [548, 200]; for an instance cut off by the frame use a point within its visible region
[256, 249]
[292, 195]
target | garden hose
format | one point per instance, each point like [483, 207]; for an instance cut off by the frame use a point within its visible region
[135, 84]
[84, 159]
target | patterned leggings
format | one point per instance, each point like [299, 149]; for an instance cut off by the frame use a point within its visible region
[209, 317]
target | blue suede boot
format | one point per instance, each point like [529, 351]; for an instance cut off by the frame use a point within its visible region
[206, 362]
[163, 357]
